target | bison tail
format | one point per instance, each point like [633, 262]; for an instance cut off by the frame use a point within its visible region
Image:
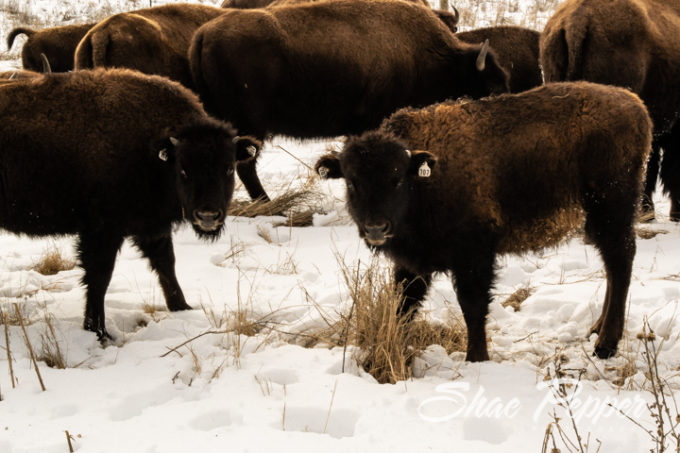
[576, 41]
[562, 46]
[195, 63]
[16, 32]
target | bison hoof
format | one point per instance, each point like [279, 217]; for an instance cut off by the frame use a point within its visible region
[179, 306]
[477, 357]
[604, 353]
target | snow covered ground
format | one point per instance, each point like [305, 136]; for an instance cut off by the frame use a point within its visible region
[266, 392]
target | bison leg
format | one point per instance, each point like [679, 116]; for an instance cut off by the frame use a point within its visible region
[670, 170]
[247, 172]
[161, 256]
[97, 257]
[415, 288]
[647, 204]
[472, 281]
[611, 231]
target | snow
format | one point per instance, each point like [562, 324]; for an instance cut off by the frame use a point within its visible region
[148, 392]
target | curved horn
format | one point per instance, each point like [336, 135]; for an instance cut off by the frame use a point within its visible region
[47, 69]
[481, 58]
[13, 76]
[456, 14]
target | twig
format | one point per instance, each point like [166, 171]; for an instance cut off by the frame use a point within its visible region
[330, 407]
[30, 347]
[208, 332]
[5, 321]
[294, 156]
[345, 334]
[68, 439]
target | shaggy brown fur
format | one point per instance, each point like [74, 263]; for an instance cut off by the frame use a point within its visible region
[152, 40]
[450, 19]
[89, 153]
[510, 174]
[517, 51]
[331, 68]
[18, 74]
[628, 43]
[57, 43]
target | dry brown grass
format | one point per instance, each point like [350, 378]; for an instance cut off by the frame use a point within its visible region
[296, 205]
[386, 343]
[648, 233]
[515, 299]
[53, 261]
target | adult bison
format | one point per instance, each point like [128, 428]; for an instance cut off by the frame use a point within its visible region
[450, 19]
[629, 43]
[153, 40]
[516, 49]
[57, 43]
[330, 68]
[510, 174]
[137, 156]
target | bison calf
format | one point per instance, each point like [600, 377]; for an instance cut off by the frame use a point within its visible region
[106, 155]
[510, 174]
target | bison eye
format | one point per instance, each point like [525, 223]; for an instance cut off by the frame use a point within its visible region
[396, 182]
[183, 173]
[350, 186]
[230, 171]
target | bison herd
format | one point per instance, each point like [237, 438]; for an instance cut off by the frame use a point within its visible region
[461, 146]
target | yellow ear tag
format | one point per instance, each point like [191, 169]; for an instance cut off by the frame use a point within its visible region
[424, 170]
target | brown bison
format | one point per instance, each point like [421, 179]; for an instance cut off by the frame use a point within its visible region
[331, 68]
[510, 174]
[153, 40]
[450, 19]
[516, 49]
[137, 156]
[58, 44]
[629, 43]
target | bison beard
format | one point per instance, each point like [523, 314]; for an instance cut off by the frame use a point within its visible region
[579, 155]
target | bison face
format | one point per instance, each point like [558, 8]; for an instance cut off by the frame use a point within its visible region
[381, 174]
[204, 160]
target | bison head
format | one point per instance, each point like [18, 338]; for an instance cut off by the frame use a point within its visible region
[485, 76]
[204, 157]
[381, 174]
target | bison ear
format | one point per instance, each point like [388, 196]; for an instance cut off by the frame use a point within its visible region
[422, 163]
[328, 166]
[246, 148]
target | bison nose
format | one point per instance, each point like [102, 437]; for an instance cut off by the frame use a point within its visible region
[376, 233]
[208, 216]
[208, 220]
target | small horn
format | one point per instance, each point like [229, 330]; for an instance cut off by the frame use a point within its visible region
[163, 155]
[456, 14]
[174, 141]
[252, 150]
[481, 58]
[408, 153]
[47, 69]
[13, 76]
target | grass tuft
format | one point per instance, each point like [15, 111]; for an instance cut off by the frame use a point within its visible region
[53, 261]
